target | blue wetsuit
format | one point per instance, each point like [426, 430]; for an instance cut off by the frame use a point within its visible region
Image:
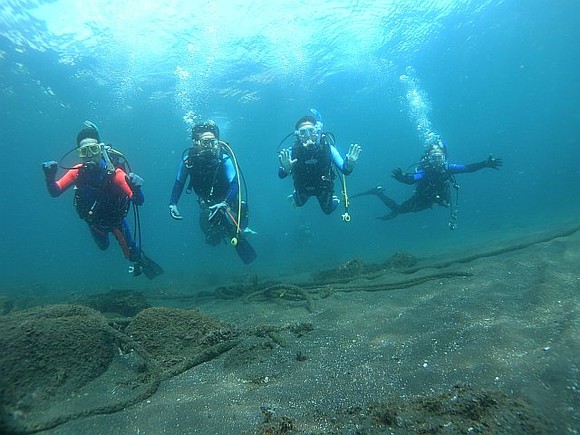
[214, 181]
[432, 186]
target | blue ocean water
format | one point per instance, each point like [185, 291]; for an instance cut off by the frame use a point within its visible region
[490, 76]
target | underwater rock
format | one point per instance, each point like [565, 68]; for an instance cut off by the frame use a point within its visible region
[49, 352]
[172, 335]
[355, 268]
[401, 260]
[126, 303]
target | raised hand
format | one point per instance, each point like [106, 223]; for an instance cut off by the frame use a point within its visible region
[353, 155]
[215, 209]
[494, 163]
[286, 161]
[400, 176]
[50, 169]
[134, 181]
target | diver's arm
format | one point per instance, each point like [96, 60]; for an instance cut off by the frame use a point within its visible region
[490, 162]
[56, 188]
[460, 168]
[405, 177]
[135, 193]
[340, 163]
[233, 188]
[287, 162]
[179, 184]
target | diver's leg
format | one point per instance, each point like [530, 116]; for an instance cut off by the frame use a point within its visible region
[212, 229]
[389, 202]
[373, 191]
[300, 197]
[245, 213]
[414, 204]
[379, 192]
[100, 236]
[123, 234]
[328, 201]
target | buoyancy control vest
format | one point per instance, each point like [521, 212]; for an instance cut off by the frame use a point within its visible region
[313, 168]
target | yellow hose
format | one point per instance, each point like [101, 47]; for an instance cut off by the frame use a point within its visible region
[346, 215]
[234, 240]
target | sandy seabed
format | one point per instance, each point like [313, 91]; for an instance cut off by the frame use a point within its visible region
[484, 342]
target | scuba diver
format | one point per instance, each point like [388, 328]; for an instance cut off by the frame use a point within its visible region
[433, 179]
[311, 161]
[214, 176]
[103, 194]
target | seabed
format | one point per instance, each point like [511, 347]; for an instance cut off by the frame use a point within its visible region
[483, 342]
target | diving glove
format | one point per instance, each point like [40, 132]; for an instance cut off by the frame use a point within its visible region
[352, 155]
[134, 181]
[286, 161]
[494, 162]
[214, 209]
[50, 169]
[401, 177]
[174, 212]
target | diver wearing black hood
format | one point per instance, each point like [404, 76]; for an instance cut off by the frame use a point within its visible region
[104, 193]
[311, 161]
[433, 179]
[214, 176]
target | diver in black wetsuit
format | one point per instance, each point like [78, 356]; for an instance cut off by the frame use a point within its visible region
[433, 179]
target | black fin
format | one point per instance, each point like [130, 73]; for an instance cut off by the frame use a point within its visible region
[245, 251]
[150, 268]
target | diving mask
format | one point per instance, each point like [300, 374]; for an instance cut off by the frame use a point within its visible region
[307, 134]
[437, 159]
[89, 150]
[207, 147]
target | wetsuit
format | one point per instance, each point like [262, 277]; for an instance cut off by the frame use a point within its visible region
[214, 181]
[102, 200]
[313, 174]
[432, 187]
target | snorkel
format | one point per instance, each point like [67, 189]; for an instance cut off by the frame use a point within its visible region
[319, 124]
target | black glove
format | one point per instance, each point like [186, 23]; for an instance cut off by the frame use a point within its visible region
[401, 177]
[494, 163]
[50, 169]
[134, 181]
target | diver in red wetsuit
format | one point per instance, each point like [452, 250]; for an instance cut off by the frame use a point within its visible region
[103, 194]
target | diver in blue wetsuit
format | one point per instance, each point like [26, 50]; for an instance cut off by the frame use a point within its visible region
[311, 162]
[214, 177]
[433, 179]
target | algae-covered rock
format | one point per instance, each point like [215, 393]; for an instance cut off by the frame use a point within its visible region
[172, 335]
[125, 302]
[47, 352]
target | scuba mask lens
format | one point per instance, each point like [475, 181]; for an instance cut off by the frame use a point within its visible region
[437, 160]
[436, 156]
[207, 147]
[89, 150]
[209, 143]
[307, 134]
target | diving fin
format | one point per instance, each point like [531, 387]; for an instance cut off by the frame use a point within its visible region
[245, 250]
[149, 268]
